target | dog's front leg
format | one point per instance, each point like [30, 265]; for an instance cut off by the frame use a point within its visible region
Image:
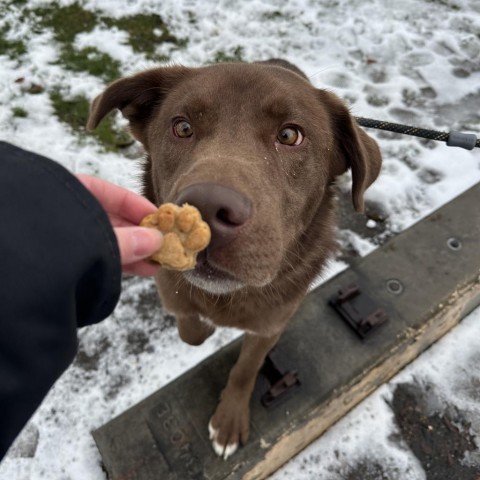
[191, 327]
[193, 330]
[230, 424]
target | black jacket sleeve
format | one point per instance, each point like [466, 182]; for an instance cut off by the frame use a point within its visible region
[59, 270]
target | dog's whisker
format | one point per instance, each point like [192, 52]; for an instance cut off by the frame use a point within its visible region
[325, 69]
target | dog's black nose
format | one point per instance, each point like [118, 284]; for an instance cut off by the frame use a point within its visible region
[224, 209]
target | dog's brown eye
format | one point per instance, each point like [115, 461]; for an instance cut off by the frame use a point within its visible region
[182, 129]
[290, 136]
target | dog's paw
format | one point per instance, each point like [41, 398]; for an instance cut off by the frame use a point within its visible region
[193, 329]
[228, 429]
[184, 235]
[223, 451]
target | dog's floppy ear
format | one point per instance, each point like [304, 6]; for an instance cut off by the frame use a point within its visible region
[136, 97]
[359, 150]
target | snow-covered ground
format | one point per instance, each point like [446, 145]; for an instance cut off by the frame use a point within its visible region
[415, 61]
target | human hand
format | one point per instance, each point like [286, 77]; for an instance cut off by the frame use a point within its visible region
[125, 210]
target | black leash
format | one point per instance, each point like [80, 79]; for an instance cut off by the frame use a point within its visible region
[453, 139]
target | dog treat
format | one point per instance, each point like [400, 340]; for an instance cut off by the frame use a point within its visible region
[184, 235]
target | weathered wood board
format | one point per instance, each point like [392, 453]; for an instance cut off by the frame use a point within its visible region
[437, 263]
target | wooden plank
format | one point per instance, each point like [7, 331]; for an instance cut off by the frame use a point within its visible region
[165, 436]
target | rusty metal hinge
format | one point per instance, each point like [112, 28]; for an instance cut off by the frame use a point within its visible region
[358, 310]
[280, 383]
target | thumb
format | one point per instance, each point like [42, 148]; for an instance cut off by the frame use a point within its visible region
[136, 243]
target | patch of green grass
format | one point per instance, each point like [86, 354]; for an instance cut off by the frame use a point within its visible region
[65, 22]
[274, 15]
[236, 56]
[90, 60]
[6, 5]
[72, 111]
[145, 32]
[16, 3]
[11, 48]
[445, 3]
[192, 18]
[75, 113]
[19, 112]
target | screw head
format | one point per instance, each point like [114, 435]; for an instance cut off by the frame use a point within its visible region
[454, 244]
[394, 286]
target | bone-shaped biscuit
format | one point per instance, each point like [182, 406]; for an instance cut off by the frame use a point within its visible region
[184, 235]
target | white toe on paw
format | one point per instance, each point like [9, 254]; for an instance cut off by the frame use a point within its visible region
[223, 451]
[230, 450]
[218, 448]
[212, 431]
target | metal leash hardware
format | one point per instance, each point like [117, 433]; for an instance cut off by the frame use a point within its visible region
[468, 141]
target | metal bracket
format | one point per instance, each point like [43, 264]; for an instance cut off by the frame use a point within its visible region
[358, 310]
[280, 383]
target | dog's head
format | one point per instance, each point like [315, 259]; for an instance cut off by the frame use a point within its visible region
[254, 146]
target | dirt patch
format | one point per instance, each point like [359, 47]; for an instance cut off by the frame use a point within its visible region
[138, 342]
[366, 470]
[89, 361]
[440, 440]
[371, 225]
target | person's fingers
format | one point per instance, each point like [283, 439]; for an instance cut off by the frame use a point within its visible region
[142, 269]
[117, 221]
[137, 243]
[125, 210]
[117, 200]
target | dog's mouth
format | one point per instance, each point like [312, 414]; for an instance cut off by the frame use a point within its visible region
[211, 278]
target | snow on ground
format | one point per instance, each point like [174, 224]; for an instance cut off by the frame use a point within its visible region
[415, 61]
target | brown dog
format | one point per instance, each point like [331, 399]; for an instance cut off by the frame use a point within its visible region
[256, 148]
